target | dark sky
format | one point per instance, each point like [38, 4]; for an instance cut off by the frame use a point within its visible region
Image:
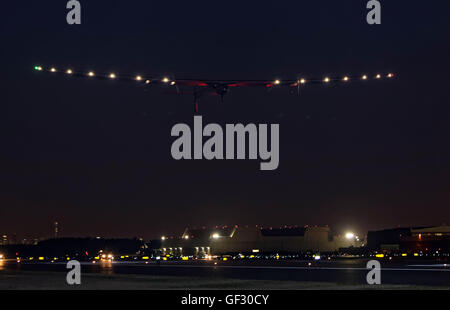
[95, 155]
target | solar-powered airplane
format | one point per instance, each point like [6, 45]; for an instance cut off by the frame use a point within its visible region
[220, 88]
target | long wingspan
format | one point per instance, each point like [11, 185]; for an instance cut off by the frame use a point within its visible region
[216, 87]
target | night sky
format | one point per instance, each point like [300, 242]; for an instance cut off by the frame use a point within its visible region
[95, 155]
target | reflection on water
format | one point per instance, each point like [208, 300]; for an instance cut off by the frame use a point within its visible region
[2, 265]
[106, 267]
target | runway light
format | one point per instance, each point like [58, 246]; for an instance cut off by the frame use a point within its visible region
[302, 81]
[165, 80]
[186, 237]
[52, 70]
[349, 235]
[216, 236]
[112, 76]
[147, 82]
[277, 82]
[364, 77]
[345, 79]
[38, 68]
[163, 238]
[390, 75]
[138, 78]
[69, 71]
[378, 76]
[172, 83]
[91, 73]
[317, 257]
[326, 79]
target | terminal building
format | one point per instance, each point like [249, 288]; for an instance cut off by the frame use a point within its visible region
[226, 240]
[417, 239]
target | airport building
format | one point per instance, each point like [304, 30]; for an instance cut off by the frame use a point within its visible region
[226, 240]
[415, 239]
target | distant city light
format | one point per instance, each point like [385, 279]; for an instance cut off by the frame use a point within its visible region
[345, 79]
[69, 71]
[112, 76]
[52, 70]
[326, 79]
[349, 235]
[138, 78]
[166, 80]
[277, 82]
[91, 73]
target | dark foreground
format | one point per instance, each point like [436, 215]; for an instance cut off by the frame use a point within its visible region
[340, 274]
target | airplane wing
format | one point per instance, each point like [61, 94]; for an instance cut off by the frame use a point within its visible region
[146, 79]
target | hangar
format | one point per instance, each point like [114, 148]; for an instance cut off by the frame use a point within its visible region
[228, 240]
